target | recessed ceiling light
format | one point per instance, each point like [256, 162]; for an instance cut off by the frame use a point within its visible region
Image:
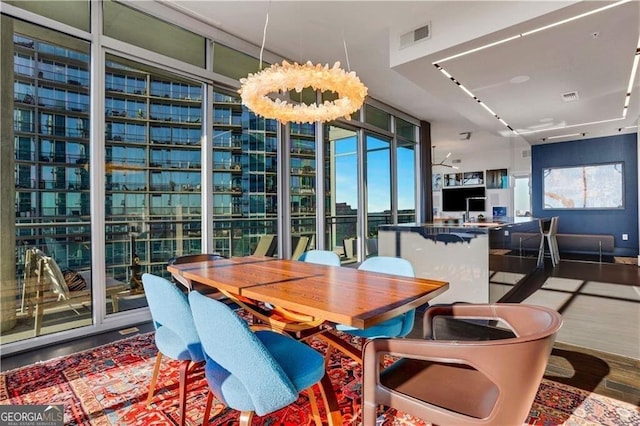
[520, 79]
[566, 136]
[564, 126]
[634, 69]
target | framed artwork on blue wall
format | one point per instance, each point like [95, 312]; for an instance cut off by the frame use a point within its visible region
[597, 186]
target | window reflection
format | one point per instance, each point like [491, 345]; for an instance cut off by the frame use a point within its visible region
[244, 176]
[153, 172]
[51, 139]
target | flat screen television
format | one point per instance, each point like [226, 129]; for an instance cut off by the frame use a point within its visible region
[455, 199]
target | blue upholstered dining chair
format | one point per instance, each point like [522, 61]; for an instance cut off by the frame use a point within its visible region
[322, 257]
[398, 326]
[251, 372]
[176, 336]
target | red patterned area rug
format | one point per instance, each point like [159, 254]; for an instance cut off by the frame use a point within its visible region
[108, 385]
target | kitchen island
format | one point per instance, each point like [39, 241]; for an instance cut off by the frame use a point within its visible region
[453, 251]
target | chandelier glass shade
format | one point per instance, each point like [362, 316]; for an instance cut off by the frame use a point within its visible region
[256, 88]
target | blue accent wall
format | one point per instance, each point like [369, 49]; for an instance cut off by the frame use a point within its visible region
[610, 149]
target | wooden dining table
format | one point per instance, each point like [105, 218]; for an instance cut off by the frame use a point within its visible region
[339, 295]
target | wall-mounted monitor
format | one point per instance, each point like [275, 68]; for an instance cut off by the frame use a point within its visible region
[499, 211]
[597, 186]
[455, 199]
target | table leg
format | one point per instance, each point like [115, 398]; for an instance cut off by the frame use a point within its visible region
[343, 346]
[334, 416]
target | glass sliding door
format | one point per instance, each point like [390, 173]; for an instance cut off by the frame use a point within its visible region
[378, 186]
[46, 283]
[341, 191]
[153, 130]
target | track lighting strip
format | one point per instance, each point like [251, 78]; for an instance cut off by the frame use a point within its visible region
[627, 99]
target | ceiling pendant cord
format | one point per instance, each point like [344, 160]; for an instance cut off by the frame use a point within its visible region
[346, 52]
[264, 34]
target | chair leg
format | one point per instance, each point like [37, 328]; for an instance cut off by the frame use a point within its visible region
[369, 411]
[37, 322]
[327, 354]
[314, 406]
[207, 409]
[541, 251]
[184, 369]
[154, 378]
[245, 418]
[114, 303]
[552, 252]
[556, 251]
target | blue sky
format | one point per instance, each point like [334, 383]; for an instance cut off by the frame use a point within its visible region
[378, 175]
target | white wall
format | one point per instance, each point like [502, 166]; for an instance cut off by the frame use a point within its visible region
[515, 157]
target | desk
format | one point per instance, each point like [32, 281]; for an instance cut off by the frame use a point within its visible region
[336, 294]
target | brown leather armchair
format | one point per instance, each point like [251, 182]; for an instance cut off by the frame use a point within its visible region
[478, 365]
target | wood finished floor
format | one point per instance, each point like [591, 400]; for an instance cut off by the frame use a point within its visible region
[599, 371]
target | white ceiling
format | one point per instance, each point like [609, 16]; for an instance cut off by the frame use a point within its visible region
[522, 80]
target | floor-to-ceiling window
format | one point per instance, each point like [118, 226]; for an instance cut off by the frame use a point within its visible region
[302, 187]
[49, 140]
[387, 161]
[228, 163]
[245, 188]
[153, 132]
[378, 186]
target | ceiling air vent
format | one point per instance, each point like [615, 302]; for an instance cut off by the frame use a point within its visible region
[414, 36]
[570, 96]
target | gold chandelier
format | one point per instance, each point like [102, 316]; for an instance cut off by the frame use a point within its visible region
[255, 90]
